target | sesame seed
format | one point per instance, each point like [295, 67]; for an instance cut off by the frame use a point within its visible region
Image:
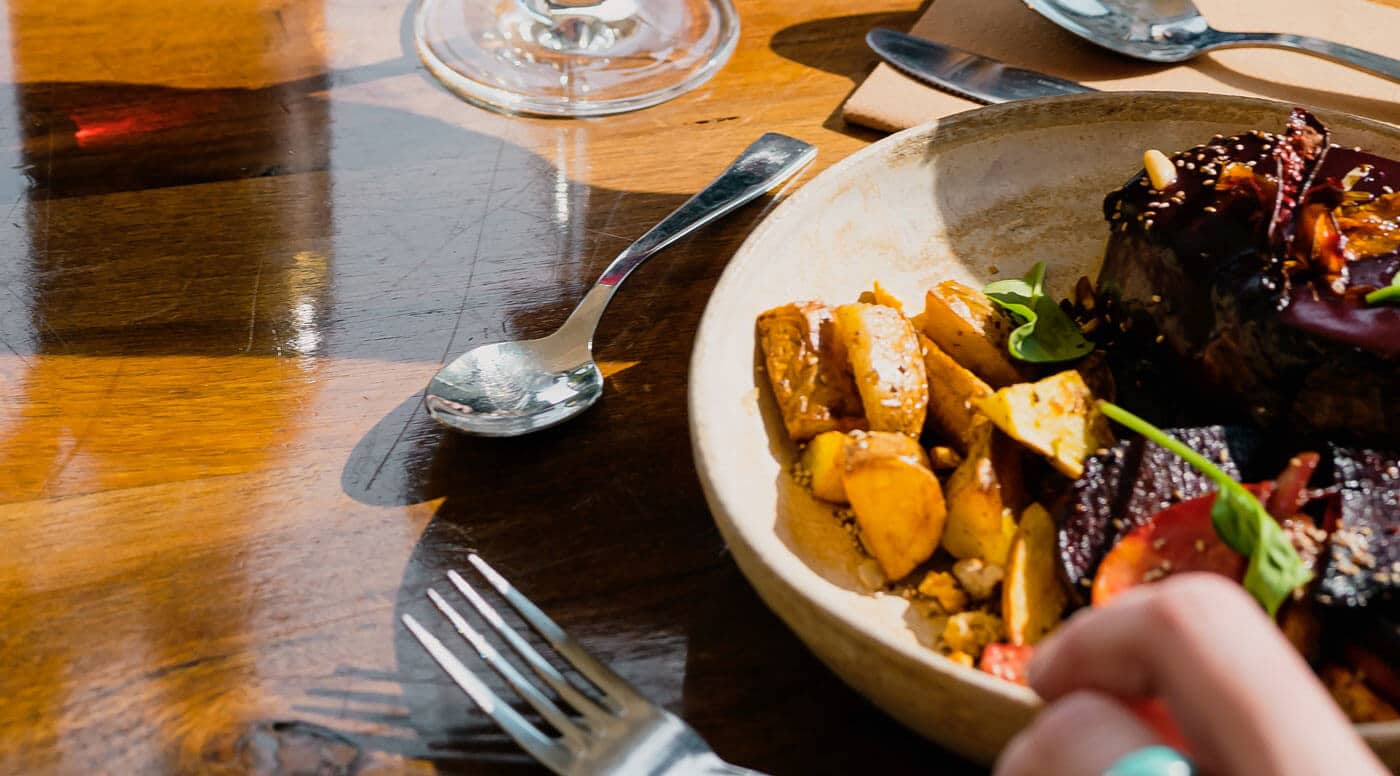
[1239, 146]
[1209, 208]
[1208, 182]
[1160, 338]
[1190, 165]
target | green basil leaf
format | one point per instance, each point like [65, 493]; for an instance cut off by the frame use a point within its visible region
[1388, 294]
[1275, 568]
[1045, 334]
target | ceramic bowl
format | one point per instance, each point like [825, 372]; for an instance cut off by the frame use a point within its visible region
[976, 196]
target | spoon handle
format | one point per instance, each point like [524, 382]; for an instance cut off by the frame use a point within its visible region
[769, 161]
[1337, 52]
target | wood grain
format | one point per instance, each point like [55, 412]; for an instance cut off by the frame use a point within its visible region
[240, 238]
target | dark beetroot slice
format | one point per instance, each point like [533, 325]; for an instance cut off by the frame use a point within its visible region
[1126, 486]
[1362, 566]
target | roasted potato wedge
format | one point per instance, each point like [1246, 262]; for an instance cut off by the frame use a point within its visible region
[807, 366]
[899, 508]
[1032, 598]
[952, 389]
[888, 367]
[861, 446]
[968, 327]
[824, 458]
[984, 494]
[1056, 417]
[828, 455]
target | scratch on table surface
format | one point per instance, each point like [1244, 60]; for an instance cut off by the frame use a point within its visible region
[253, 315]
[23, 359]
[418, 405]
[83, 433]
[476, 253]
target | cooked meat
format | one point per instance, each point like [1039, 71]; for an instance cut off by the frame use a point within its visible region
[1247, 275]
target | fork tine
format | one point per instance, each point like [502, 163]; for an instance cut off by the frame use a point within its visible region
[608, 681]
[508, 672]
[553, 678]
[544, 749]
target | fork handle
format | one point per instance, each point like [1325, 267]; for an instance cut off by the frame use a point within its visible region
[1381, 65]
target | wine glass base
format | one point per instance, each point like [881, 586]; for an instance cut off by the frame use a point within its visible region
[608, 57]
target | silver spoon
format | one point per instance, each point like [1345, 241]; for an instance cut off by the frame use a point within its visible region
[513, 388]
[1175, 31]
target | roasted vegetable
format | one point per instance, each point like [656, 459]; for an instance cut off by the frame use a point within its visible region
[1032, 597]
[1007, 661]
[1178, 539]
[951, 391]
[900, 510]
[984, 494]
[1129, 484]
[824, 459]
[827, 457]
[967, 326]
[1055, 417]
[889, 369]
[807, 366]
[1363, 553]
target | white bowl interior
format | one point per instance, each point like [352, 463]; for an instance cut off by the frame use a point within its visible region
[974, 197]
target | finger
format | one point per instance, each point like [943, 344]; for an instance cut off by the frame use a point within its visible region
[1081, 734]
[1233, 684]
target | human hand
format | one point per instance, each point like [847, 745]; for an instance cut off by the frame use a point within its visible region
[1244, 701]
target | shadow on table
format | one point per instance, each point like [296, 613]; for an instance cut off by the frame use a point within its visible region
[837, 45]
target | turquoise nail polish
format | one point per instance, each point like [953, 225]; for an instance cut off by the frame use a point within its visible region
[1152, 761]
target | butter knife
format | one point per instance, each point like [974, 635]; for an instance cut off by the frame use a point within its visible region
[963, 73]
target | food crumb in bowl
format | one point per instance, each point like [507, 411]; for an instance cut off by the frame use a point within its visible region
[971, 631]
[977, 577]
[942, 589]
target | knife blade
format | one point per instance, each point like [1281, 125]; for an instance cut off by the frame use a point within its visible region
[964, 73]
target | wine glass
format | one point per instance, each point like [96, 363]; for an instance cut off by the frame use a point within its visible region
[574, 57]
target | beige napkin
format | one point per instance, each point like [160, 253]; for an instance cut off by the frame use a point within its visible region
[1009, 31]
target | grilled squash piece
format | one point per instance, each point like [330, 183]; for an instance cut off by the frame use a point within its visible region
[1056, 417]
[900, 510]
[807, 366]
[888, 367]
[951, 391]
[1032, 597]
[967, 326]
[984, 494]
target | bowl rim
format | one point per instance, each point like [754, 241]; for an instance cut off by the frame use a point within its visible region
[800, 580]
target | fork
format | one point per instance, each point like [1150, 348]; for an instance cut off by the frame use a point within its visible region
[624, 734]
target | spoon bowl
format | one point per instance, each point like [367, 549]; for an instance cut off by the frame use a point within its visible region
[512, 388]
[1175, 31]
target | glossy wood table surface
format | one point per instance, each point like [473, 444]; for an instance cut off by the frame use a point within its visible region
[240, 236]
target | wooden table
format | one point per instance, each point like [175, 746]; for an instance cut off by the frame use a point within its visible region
[240, 238]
